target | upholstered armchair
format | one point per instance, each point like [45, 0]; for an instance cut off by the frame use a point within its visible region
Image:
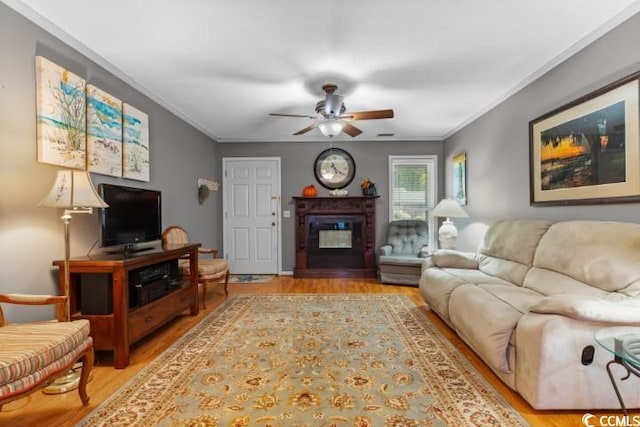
[32, 355]
[210, 270]
[400, 260]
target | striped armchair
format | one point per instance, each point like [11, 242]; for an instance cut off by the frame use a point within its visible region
[210, 270]
[32, 355]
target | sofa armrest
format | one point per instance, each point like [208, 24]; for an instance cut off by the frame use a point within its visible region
[385, 250]
[427, 263]
[590, 309]
[454, 259]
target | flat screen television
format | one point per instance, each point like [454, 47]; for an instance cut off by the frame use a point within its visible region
[134, 216]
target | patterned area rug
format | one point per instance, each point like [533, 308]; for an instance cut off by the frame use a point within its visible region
[309, 360]
[251, 278]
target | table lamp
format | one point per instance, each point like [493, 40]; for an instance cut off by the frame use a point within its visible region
[74, 192]
[447, 234]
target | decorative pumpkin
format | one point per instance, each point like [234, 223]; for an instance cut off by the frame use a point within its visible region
[310, 191]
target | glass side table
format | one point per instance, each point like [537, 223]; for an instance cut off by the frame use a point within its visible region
[624, 343]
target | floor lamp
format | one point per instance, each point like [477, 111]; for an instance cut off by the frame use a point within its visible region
[447, 234]
[74, 192]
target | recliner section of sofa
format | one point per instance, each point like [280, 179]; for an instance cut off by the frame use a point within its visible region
[529, 301]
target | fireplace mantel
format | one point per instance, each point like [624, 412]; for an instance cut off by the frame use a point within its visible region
[348, 216]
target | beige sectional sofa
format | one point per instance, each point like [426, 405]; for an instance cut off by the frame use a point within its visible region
[530, 300]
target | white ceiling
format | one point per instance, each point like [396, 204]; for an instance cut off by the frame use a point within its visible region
[223, 65]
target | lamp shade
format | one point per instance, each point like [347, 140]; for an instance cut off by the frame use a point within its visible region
[449, 208]
[331, 127]
[73, 189]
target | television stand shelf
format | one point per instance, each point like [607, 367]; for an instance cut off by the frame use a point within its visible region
[120, 321]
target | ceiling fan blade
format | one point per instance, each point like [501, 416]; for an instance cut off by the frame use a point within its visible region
[351, 130]
[369, 115]
[307, 129]
[291, 115]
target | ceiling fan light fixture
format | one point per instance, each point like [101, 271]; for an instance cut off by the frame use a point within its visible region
[331, 127]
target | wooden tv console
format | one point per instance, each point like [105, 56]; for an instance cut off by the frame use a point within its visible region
[123, 325]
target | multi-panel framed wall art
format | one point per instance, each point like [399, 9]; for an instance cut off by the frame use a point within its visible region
[135, 161]
[104, 132]
[460, 178]
[60, 116]
[588, 151]
[80, 126]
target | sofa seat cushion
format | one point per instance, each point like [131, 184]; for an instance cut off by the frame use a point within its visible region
[436, 284]
[486, 317]
[37, 349]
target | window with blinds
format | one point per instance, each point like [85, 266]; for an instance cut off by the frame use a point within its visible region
[412, 187]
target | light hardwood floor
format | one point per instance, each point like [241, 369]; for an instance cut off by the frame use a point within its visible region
[66, 409]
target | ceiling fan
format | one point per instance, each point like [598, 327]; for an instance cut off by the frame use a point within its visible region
[331, 117]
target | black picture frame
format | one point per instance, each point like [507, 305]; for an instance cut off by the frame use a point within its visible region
[334, 168]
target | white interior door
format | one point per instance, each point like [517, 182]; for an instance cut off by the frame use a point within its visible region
[251, 205]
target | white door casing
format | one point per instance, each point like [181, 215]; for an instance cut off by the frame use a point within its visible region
[251, 214]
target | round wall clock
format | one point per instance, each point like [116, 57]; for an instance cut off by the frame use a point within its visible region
[334, 168]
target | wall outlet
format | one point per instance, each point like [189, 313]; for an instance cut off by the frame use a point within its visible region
[286, 214]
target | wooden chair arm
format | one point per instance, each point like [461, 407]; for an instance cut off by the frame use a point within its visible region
[213, 252]
[204, 251]
[24, 299]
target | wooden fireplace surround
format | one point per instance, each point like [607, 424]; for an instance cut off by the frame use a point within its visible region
[335, 263]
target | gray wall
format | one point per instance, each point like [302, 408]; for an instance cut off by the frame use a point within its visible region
[497, 144]
[31, 237]
[297, 159]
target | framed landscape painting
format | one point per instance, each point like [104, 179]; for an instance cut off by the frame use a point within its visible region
[60, 116]
[104, 132]
[460, 178]
[135, 136]
[588, 151]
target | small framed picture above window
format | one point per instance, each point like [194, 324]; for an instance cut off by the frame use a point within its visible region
[460, 178]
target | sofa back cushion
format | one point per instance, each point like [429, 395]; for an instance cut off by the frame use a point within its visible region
[605, 255]
[548, 282]
[509, 246]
